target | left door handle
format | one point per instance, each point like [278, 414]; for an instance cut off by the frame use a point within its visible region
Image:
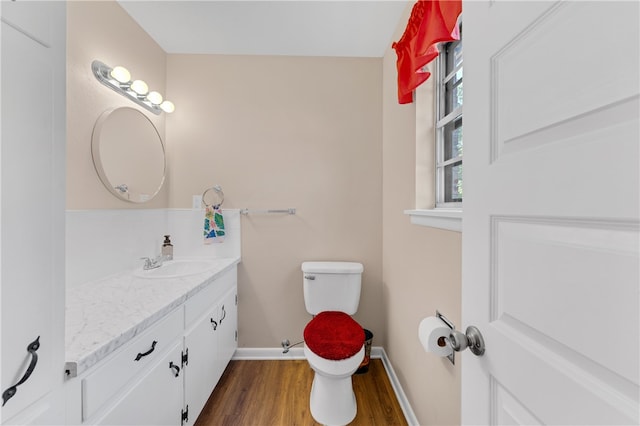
[141, 354]
[175, 368]
[11, 391]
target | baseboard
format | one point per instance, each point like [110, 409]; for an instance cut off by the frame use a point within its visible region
[293, 353]
[267, 353]
[377, 352]
[409, 415]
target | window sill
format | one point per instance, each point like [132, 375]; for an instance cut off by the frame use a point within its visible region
[449, 219]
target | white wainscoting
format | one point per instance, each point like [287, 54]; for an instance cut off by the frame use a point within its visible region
[100, 243]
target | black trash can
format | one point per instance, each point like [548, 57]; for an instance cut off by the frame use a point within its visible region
[364, 365]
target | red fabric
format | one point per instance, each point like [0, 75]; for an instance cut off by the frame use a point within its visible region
[334, 335]
[431, 22]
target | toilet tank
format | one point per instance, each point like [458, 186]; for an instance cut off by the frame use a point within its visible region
[332, 286]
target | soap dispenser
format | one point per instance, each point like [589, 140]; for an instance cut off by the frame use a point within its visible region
[167, 248]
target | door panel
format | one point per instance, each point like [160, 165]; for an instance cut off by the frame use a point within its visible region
[32, 219]
[155, 400]
[548, 264]
[203, 370]
[228, 327]
[551, 213]
[568, 57]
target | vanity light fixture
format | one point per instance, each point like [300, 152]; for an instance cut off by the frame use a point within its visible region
[168, 106]
[140, 87]
[155, 98]
[121, 74]
[119, 80]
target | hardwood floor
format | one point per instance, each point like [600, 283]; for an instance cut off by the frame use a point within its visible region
[276, 393]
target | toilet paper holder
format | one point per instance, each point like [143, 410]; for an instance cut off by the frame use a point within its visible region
[452, 356]
[458, 341]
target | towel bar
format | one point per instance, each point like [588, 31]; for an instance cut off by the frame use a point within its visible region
[262, 211]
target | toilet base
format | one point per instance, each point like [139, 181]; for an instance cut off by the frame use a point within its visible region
[332, 400]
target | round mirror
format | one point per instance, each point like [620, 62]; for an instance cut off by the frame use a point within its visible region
[128, 154]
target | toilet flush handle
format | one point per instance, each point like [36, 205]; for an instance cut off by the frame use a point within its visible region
[310, 277]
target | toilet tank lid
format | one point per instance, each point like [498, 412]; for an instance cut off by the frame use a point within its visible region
[332, 267]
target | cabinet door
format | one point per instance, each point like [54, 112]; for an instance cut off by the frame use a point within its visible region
[227, 338]
[203, 371]
[156, 399]
[32, 151]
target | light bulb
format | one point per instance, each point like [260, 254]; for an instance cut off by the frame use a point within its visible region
[155, 98]
[140, 87]
[168, 106]
[120, 74]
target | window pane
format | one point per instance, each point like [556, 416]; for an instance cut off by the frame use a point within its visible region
[449, 138]
[453, 53]
[453, 139]
[457, 54]
[453, 183]
[453, 93]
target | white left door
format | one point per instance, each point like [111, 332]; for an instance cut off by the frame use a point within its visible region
[32, 180]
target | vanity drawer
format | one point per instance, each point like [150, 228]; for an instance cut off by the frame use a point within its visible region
[196, 306]
[114, 373]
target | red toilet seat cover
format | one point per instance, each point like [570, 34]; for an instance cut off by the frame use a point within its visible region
[334, 335]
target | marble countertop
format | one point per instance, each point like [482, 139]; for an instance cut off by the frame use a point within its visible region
[103, 315]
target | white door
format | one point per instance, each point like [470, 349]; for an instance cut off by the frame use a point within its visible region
[228, 338]
[156, 399]
[32, 174]
[202, 371]
[551, 212]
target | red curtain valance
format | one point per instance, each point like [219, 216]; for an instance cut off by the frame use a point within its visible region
[431, 22]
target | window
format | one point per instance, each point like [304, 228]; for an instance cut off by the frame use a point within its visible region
[449, 126]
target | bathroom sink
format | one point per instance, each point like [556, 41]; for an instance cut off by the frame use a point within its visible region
[177, 268]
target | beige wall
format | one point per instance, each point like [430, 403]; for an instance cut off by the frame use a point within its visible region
[102, 30]
[281, 132]
[421, 266]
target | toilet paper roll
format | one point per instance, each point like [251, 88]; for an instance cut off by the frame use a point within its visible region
[431, 332]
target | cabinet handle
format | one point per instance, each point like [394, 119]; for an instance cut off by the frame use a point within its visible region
[11, 391]
[224, 314]
[140, 355]
[214, 324]
[172, 365]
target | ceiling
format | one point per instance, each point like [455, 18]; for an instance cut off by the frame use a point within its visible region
[350, 28]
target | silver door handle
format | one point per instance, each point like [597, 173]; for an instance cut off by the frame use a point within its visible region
[471, 338]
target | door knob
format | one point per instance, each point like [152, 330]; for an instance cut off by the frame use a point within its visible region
[471, 338]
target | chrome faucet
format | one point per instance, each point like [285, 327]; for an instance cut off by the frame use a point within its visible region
[152, 263]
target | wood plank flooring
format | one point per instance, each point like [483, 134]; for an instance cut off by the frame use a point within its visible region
[276, 393]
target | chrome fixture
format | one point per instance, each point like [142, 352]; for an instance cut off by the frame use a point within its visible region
[119, 80]
[458, 341]
[471, 338]
[152, 263]
[452, 356]
[217, 192]
[260, 211]
[286, 345]
[123, 188]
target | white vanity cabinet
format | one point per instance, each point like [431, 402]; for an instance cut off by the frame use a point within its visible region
[156, 399]
[32, 152]
[165, 375]
[228, 329]
[107, 382]
[211, 338]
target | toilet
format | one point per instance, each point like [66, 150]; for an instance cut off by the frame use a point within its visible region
[333, 341]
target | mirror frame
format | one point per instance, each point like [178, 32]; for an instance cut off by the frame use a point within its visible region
[97, 162]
